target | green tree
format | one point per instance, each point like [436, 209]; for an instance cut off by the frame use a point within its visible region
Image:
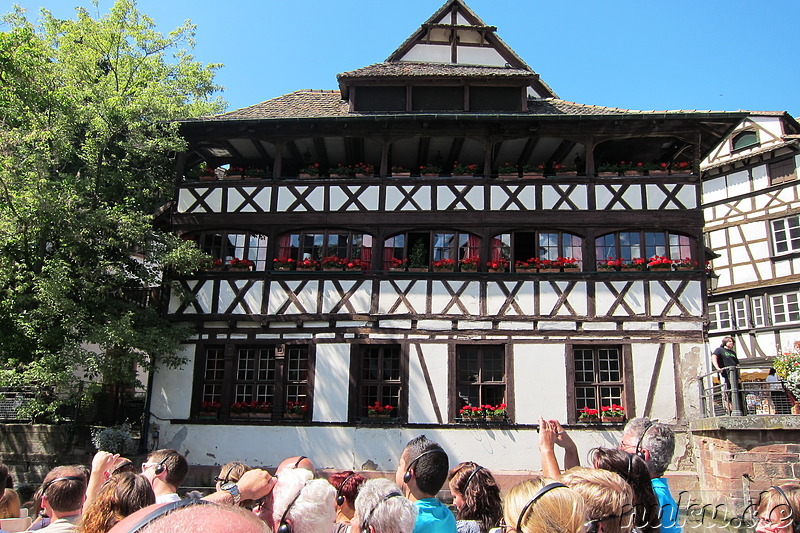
[87, 126]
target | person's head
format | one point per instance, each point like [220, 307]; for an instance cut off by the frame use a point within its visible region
[475, 494]
[652, 441]
[382, 508]
[779, 509]
[185, 515]
[10, 504]
[121, 495]
[230, 472]
[303, 503]
[538, 506]
[165, 466]
[3, 475]
[63, 491]
[772, 371]
[634, 471]
[423, 468]
[608, 499]
[298, 461]
[123, 464]
[346, 484]
[727, 342]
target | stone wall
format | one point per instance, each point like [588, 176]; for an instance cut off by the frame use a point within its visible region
[739, 457]
[30, 450]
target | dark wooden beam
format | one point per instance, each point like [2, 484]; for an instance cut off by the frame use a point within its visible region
[562, 151]
[527, 150]
[322, 154]
[422, 151]
[452, 154]
[234, 152]
[496, 153]
[262, 152]
[295, 151]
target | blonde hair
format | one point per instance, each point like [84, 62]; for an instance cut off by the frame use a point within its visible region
[788, 506]
[560, 510]
[608, 498]
[9, 504]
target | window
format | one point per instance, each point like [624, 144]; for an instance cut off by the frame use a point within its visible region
[598, 377]
[545, 245]
[740, 312]
[437, 98]
[628, 245]
[743, 140]
[786, 234]
[317, 245]
[225, 246]
[270, 375]
[480, 375]
[381, 377]
[785, 308]
[389, 98]
[494, 98]
[421, 249]
[782, 171]
[719, 316]
[757, 304]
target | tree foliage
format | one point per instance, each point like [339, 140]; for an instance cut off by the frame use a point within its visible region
[87, 124]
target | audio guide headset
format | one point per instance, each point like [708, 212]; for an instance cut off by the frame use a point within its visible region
[161, 467]
[339, 496]
[64, 478]
[639, 450]
[593, 525]
[472, 475]
[367, 516]
[544, 490]
[300, 459]
[285, 526]
[795, 519]
[407, 475]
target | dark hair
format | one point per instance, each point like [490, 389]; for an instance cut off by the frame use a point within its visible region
[430, 470]
[123, 494]
[725, 341]
[65, 488]
[176, 464]
[480, 493]
[634, 471]
[4, 476]
[232, 472]
[350, 487]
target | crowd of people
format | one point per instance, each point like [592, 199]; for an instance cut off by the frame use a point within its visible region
[623, 491]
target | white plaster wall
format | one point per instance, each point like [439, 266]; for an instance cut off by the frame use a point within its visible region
[316, 198]
[499, 197]
[644, 357]
[717, 239]
[394, 197]
[470, 298]
[540, 368]
[416, 297]
[171, 392]
[369, 197]
[495, 298]
[738, 183]
[480, 56]
[604, 298]
[432, 53]
[578, 299]
[760, 177]
[714, 190]
[331, 393]
[360, 300]
[420, 403]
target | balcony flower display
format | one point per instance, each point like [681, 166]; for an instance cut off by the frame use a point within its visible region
[686, 264]
[240, 409]
[682, 167]
[444, 265]
[549, 265]
[377, 410]
[588, 415]
[612, 413]
[567, 263]
[429, 169]
[209, 410]
[340, 170]
[534, 169]
[307, 264]
[507, 168]
[469, 264]
[637, 263]
[461, 169]
[610, 264]
[610, 168]
[283, 263]
[529, 265]
[399, 264]
[310, 171]
[468, 413]
[241, 264]
[295, 410]
[497, 265]
[364, 169]
[354, 265]
[659, 262]
[400, 171]
[333, 262]
[495, 412]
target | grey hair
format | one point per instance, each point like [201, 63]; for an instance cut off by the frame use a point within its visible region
[659, 441]
[384, 512]
[314, 510]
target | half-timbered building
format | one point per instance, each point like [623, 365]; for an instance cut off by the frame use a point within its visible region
[751, 201]
[435, 277]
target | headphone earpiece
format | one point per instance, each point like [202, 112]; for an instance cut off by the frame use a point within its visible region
[339, 496]
[407, 476]
[160, 468]
[285, 527]
[795, 520]
[639, 451]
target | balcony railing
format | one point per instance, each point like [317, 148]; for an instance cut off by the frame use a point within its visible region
[743, 398]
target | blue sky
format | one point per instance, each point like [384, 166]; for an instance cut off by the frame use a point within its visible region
[636, 54]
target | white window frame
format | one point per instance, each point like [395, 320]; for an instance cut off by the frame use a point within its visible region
[757, 311]
[784, 306]
[740, 313]
[781, 235]
[719, 316]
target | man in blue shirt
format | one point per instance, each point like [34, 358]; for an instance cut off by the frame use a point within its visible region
[655, 443]
[420, 474]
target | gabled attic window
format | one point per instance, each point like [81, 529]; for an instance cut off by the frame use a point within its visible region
[743, 140]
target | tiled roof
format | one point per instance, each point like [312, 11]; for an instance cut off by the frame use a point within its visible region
[328, 104]
[768, 147]
[410, 69]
